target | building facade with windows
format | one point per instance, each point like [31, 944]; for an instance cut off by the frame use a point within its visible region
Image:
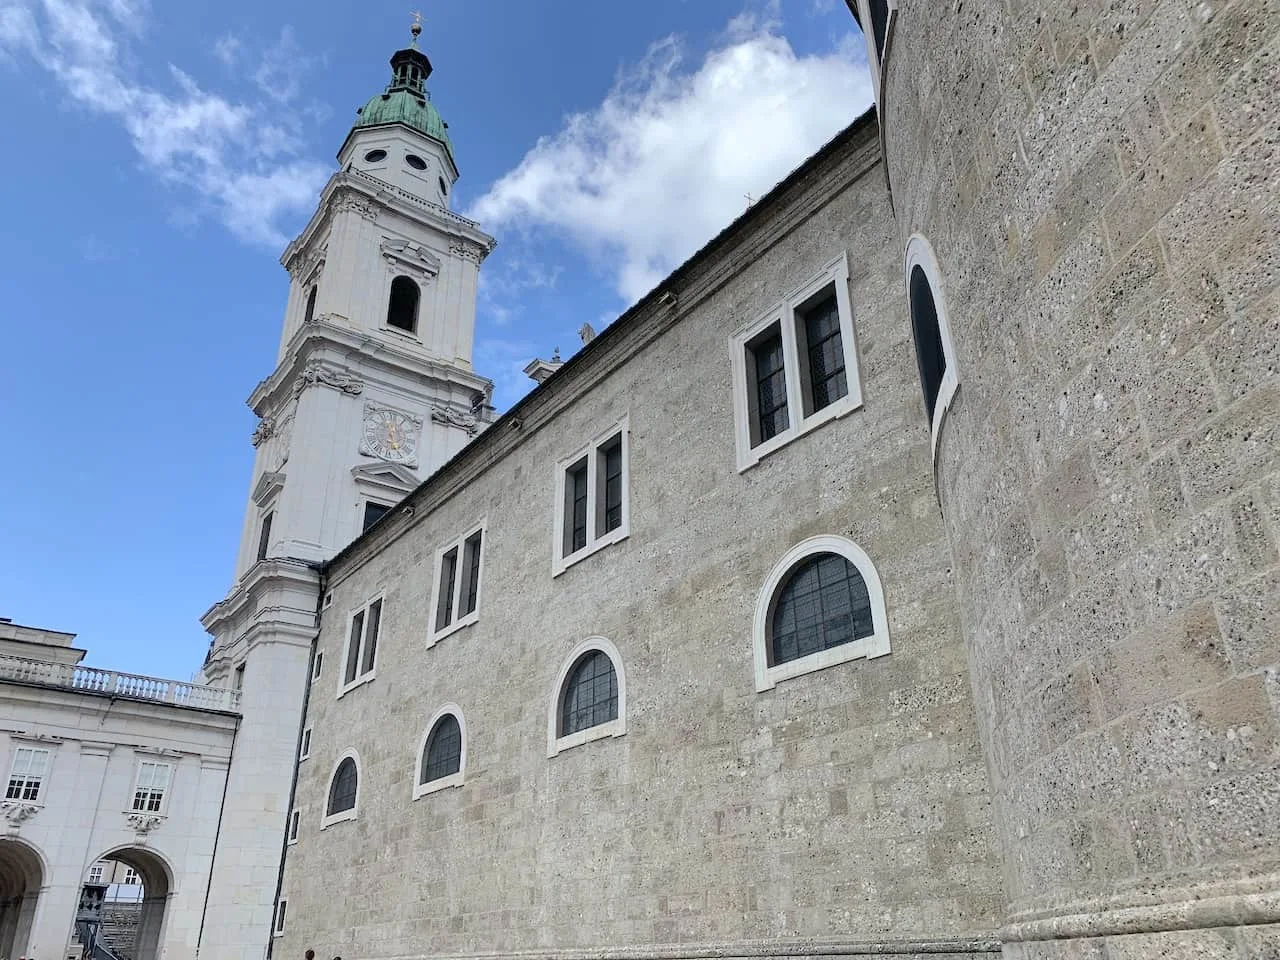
[111, 779]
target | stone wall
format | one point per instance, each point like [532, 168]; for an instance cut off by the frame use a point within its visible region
[1101, 182]
[843, 812]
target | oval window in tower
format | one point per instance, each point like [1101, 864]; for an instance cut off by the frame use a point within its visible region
[375, 156]
[415, 161]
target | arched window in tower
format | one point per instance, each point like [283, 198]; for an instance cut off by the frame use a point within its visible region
[930, 359]
[343, 789]
[311, 306]
[443, 756]
[590, 694]
[402, 308]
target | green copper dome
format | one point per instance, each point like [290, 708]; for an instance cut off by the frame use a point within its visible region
[406, 100]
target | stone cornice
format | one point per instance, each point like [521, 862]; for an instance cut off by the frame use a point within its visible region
[356, 190]
[264, 575]
[851, 155]
[322, 334]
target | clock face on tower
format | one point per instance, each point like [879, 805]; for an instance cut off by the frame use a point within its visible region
[390, 435]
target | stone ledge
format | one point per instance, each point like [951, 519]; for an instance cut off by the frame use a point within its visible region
[936, 949]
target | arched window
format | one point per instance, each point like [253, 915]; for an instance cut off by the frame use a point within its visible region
[590, 701]
[311, 306]
[402, 308]
[443, 753]
[931, 332]
[821, 605]
[343, 791]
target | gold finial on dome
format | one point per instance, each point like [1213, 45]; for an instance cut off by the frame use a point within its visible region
[416, 28]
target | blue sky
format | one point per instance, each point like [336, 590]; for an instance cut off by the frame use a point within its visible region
[160, 154]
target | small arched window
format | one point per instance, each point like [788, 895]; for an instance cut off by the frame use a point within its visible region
[590, 701]
[402, 308]
[443, 755]
[821, 605]
[931, 333]
[311, 306]
[343, 790]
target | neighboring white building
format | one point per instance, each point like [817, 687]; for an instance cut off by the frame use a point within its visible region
[105, 766]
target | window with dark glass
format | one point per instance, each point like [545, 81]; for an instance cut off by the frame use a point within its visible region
[458, 588]
[610, 462]
[264, 535]
[342, 792]
[767, 365]
[590, 694]
[471, 566]
[311, 306]
[823, 603]
[879, 24]
[443, 755]
[280, 911]
[362, 643]
[237, 678]
[448, 580]
[824, 375]
[294, 821]
[353, 647]
[402, 309]
[931, 361]
[576, 507]
[30, 764]
[371, 637]
[373, 512]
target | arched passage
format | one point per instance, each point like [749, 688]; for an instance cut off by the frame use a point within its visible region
[21, 877]
[134, 912]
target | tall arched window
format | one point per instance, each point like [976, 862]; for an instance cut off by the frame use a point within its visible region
[443, 752]
[821, 605]
[402, 308]
[343, 791]
[590, 700]
[931, 332]
[311, 306]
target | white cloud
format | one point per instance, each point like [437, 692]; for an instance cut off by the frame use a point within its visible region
[227, 49]
[668, 157]
[243, 164]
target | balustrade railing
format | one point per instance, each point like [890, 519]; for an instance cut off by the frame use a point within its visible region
[132, 686]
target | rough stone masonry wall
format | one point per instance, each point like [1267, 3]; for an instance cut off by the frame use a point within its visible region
[848, 807]
[1101, 182]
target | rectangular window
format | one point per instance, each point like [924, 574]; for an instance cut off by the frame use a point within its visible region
[151, 785]
[264, 535]
[373, 512]
[592, 497]
[277, 927]
[130, 877]
[796, 367]
[458, 574]
[26, 777]
[362, 645]
[96, 872]
[295, 819]
[237, 678]
[316, 665]
[304, 750]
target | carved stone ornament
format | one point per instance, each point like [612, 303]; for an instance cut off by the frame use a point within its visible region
[316, 373]
[284, 435]
[349, 201]
[403, 254]
[390, 435]
[440, 413]
[265, 431]
[467, 250]
[144, 823]
[18, 812]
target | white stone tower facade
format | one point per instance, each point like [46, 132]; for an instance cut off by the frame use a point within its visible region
[372, 391]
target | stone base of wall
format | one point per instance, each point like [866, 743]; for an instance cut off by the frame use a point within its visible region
[944, 948]
[1261, 942]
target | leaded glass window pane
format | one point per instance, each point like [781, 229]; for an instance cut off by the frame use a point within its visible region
[448, 575]
[590, 694]
[578, 507]
[471, 586]
[371, 636]
[443, 756]
[353, 647]
[342, 793]
[612, 485]
[822, 605]
[827, 379]
[771, 387]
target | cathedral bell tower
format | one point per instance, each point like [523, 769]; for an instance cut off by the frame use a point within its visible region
[372, 391]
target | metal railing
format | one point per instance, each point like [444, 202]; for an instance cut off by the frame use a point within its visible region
[406, 195]
[113, 683]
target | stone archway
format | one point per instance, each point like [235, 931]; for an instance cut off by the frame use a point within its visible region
[22, 876]
[156, 880]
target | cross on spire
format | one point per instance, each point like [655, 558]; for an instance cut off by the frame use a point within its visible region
[415, 28]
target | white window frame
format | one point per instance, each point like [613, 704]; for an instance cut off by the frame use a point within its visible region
[329, 819]
[361, 678]
[101, 869]
[786, 316]
[434, 636]
[295, 821]
[316, 665]
[281, 917]
[261, 550]
[876, 645]
[919, 253]
[165, 791]
[364, 505]
[876, 62]
[560, 561]
[453, 779]
[617, 727]
[304, 748]
[131, 877]
[45, 756]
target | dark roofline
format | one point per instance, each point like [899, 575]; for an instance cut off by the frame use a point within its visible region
[637, 310]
